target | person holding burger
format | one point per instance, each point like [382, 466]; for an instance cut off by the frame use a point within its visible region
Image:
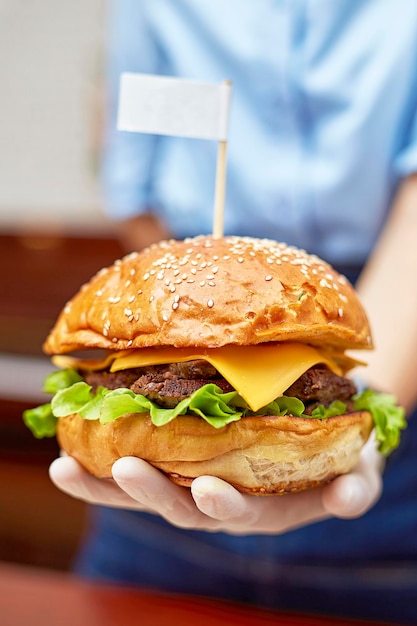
[322, 156]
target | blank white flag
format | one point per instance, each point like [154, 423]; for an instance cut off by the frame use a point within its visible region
[164, 105]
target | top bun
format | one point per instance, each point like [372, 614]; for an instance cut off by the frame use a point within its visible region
[211, 292]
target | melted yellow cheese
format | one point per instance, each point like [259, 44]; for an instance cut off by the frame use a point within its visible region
[259, 373]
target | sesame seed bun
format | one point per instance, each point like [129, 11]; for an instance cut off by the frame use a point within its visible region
[206, 292]
[269, 455]
[212, 292]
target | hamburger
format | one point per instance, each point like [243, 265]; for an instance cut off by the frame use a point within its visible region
[215, 356]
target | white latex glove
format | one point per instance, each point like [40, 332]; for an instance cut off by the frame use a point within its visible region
[214, 505]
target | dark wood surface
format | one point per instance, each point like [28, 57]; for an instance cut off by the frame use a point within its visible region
[39, 272]
[41, 598]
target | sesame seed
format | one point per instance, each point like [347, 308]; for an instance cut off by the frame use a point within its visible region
[202, 283]
[175, 306]
[114, 300]
[128, 312]
[99, 292]
[131, 298]
[212, 283]
[129, 343]
[210, 303]
[146, 276]
[165, 317]
[340, 312]
[268, 277]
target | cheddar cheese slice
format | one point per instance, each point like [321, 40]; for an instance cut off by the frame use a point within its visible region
[259, 373]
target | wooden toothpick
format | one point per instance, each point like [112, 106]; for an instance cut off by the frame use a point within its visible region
[220, 190]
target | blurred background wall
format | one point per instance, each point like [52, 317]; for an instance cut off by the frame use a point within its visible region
[53, 237]
[50, 78]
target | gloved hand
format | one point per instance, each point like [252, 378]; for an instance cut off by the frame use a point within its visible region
[214, 505]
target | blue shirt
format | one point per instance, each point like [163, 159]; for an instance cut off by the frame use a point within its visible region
[323, 126]
[323, 117]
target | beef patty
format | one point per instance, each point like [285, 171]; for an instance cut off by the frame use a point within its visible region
[167, 385]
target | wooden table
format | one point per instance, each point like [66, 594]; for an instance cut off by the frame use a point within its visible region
[37, 597]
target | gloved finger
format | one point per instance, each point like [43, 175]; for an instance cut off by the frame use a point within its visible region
[240, 513]
[352, 495]
[152, 489]
[70, 477]
[217, 498]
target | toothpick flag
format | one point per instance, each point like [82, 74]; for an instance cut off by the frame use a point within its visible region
[170, 106]
[164, 105]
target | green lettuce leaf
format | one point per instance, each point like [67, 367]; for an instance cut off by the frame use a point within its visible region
[73, 395]
[107, 405]
[337, 407]
[208, 402]
[78, 398]
[389, 418]
[60, 379]
[40, 421]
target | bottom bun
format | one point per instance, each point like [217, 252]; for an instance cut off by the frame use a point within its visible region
[259, 455]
